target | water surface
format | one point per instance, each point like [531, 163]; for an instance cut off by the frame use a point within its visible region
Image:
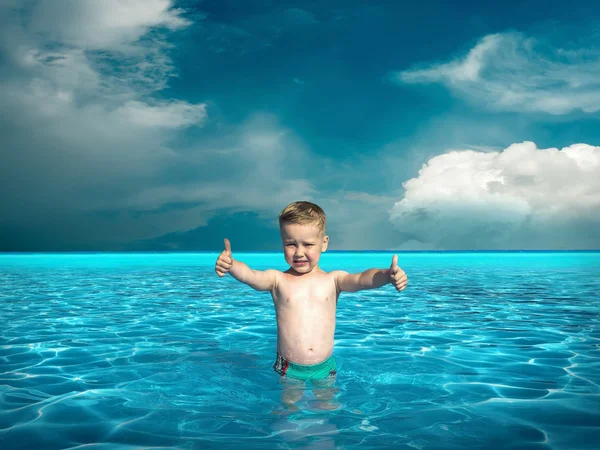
[482, 350]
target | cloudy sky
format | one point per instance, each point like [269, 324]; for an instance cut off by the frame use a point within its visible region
[169, 125]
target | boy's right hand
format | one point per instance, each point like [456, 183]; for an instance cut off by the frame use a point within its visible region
[224, 261]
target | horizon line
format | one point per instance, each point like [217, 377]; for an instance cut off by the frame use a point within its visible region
[75, 252]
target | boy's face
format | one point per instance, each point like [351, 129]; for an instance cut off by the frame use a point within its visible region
[302, 246]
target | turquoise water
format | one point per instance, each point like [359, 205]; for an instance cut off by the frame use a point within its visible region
[482, 350]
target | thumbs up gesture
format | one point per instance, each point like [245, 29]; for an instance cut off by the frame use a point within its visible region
[224, 261]
[397, 276]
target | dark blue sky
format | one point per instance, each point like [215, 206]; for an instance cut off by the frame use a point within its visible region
[432, 125]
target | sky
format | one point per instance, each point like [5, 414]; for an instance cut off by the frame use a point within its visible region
[163, 125]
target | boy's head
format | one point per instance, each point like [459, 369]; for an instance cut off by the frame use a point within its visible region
[303, 226]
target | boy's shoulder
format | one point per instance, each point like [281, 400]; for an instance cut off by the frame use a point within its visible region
[338, 273]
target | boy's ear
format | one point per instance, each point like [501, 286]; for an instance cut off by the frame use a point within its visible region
[325, 243]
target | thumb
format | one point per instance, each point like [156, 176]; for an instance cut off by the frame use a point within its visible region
[394, 266]
[227, 246]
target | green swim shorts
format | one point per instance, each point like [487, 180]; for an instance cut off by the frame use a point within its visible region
[320, 371]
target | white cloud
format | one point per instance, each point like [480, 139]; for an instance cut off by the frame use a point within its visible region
[512, 72]
[174, 114]
[84, 130]
[521, 197]
[102, 25]
[92, 66]
[73, 54]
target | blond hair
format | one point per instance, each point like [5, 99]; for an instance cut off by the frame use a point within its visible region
[304, 213]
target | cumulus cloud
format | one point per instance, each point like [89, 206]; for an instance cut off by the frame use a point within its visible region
[514, 72]
[519, 198]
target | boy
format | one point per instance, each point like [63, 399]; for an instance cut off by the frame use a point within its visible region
[305, 299]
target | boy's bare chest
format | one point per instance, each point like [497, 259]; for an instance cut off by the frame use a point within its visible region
[318, 290]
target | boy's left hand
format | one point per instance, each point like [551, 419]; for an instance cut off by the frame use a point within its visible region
[397, 275]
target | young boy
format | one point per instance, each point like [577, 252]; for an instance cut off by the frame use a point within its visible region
[305, 299]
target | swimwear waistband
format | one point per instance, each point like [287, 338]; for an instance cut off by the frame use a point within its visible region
[324, 369]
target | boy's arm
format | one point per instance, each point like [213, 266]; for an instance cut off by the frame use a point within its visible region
[261, 281]
[371, 278]
[256, 279]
